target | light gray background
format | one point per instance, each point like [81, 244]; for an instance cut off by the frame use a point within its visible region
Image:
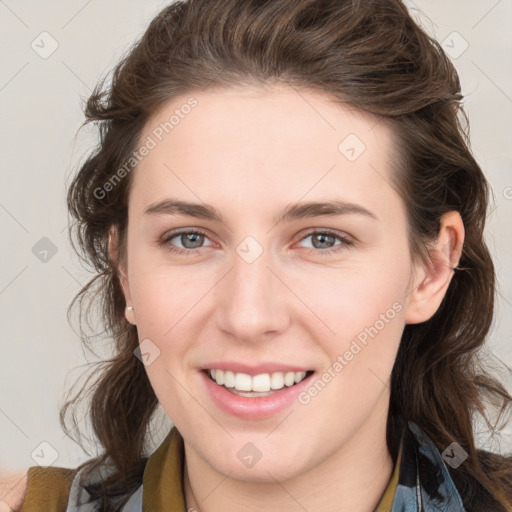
[41, 110]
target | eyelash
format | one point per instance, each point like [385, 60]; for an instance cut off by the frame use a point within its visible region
[346, 243]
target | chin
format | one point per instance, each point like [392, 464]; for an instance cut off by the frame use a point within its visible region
[261, 472]
[278, 465]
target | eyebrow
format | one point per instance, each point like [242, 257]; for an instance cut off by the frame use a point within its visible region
[293, 211]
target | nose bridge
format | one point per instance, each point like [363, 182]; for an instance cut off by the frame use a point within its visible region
[250, 302]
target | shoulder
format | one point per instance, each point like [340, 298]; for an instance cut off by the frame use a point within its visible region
[39, 488]
[13, 487]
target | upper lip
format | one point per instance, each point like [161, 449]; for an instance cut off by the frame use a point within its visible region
[270, 367]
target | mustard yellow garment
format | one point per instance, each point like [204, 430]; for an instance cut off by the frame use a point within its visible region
[48, 487]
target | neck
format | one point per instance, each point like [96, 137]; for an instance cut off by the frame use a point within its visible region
[352, 479]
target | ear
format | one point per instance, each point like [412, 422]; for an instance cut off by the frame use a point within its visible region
[113, 249]
[431, 281]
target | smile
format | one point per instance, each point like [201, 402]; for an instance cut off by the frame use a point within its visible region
[258, 385]
[256, 397]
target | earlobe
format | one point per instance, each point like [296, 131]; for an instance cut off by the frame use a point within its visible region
[432, 280]
[113, 249]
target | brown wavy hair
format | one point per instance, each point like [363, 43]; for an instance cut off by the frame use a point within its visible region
[370, 54]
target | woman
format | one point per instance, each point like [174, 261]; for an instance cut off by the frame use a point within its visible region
[287, 227]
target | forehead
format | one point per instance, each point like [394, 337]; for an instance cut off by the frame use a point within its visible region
[279, 109]
[274, 144]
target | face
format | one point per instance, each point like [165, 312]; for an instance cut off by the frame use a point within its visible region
[322, 290]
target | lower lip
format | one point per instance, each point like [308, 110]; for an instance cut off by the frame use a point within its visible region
[253, 408]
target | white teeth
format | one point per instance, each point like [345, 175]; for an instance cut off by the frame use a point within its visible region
[242, 382]
[277, 381]
[262, 383]
[219, 377]
[289, 379]
[299, 376]
[229, 379]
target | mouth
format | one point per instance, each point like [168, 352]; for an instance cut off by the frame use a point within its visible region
[261, 385]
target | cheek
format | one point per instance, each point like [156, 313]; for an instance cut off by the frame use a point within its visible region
[166, 302]
[365, 317]
[350, 299]
[164, 294]
[362, 319]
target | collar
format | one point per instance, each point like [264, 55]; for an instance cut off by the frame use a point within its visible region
[424, 483]
[420, 480]
[163, 476]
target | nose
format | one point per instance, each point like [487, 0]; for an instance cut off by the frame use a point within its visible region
[252, 301]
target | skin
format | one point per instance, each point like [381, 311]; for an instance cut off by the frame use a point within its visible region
[250, 153]
[13, 488]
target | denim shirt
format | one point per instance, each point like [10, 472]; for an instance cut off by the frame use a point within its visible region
[424, 483]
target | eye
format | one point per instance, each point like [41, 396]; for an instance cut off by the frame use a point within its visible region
[190, 238]
[320, 238]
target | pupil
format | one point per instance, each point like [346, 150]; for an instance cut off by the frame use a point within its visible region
[188, 236]
[322, 236]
